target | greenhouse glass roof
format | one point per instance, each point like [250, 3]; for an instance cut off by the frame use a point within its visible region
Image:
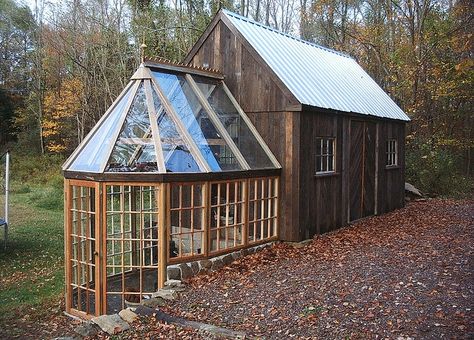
[172, 119]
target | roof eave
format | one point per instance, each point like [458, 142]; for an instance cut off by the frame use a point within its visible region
[351, 113]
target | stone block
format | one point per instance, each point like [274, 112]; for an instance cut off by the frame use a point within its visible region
[154, 302]
[205, 264]
[217, 264]
[174, 273]
[128, 315]
[111, 324]
[167, 294]
[195, 267]
[87, 329]
[227, 259]
[186, 271]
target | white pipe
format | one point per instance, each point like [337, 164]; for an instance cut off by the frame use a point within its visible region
[7, 190]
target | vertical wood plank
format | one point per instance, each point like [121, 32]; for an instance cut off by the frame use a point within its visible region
[67, 242]
[163, 204]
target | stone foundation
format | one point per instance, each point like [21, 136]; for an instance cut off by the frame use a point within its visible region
[184, 271]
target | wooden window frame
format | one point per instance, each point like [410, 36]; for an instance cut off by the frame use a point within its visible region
[391, 152]
[323, 158]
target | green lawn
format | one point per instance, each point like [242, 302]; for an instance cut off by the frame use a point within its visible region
[31, 269]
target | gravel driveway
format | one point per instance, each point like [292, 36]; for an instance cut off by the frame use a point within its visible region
[405, 274]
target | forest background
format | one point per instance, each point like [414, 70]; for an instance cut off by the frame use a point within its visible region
[62, 63]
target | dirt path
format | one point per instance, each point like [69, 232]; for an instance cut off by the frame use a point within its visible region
[408, 273]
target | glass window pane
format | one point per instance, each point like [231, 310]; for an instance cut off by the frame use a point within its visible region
[234, 124]
[94, 154]
[176, 154]
[134, 150]
[325, 149]
[212, 146]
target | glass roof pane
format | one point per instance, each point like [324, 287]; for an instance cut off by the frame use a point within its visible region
[176, 154]
[234, 124]
[211, 144]
[94, 154]
[134, 150]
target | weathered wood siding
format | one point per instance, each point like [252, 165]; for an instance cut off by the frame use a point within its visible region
[356, 189]
[323, 199]
[249, 78]
[391, 181]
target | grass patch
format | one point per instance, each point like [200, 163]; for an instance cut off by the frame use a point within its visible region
[31, 269]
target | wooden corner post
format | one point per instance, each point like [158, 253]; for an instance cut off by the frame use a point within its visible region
[67, 243]
[162, 234]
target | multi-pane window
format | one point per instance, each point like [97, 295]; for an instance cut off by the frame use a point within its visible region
[187, 220]
[227, 215]
[263, 205]
[391, 151]
[325, 154]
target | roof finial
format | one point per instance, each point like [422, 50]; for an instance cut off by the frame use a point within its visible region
[142, 50]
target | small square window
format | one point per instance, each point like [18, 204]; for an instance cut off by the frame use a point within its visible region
[325, 155]
[391, 151]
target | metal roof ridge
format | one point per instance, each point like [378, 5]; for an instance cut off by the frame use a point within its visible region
[251, 21]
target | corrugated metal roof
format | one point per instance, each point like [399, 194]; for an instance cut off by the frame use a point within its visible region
[318, 76]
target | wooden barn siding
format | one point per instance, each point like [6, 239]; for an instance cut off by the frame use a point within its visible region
[391, 182]
[324, 200]
[249, 79]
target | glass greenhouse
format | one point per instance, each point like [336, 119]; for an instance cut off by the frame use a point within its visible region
[173, 172]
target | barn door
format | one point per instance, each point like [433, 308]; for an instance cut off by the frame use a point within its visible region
[362, 169]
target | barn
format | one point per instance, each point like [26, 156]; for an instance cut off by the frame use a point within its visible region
[339, 137]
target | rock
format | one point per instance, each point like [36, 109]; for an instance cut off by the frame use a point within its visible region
[227, 259]
[411, 190]
[236, 255]
[111, 324]
[167, 294]
[251, 250]
[195, 267]
[145, 311]
[87, 329]
[175, 289]
[186, 271]
[174, 273]
[244, 252]
[205, 264]
[174, 283]
[154, 302]
[217, 264]
[67, 338]
[128, 315]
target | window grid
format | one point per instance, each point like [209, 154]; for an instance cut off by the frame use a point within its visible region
[82, 240]
[187, 225]
[227, 220]
[325, 155]
[391, 151]
[131, 244]
[263, 201]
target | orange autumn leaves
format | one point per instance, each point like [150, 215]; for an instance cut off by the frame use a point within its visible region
[61, 108]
